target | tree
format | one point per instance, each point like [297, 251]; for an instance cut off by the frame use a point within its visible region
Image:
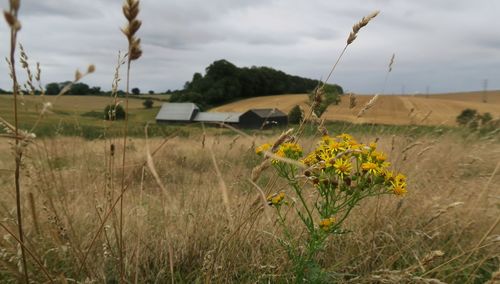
[295, 115]
[79, 89]
[95, 90]
[136, 91]
[148, 103]
[52, 89]
[151, 92]
[223, 82]
[114, 112]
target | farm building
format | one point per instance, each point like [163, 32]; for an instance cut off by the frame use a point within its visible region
[253, 118]
[263, 118]
[177, 112]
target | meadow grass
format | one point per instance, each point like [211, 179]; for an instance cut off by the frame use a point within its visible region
[180, 230]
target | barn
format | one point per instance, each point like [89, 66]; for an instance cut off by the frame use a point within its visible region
[190, 112]
[177, 112]
[263, 118]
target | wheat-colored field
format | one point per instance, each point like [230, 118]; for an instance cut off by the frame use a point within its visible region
[391, 109]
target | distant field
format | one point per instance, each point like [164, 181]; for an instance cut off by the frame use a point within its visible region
[159, 97]
[390, 109]
[73, 111]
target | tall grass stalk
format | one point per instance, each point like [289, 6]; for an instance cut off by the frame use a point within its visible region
[15, 26]
[318, 92]
[130, 10]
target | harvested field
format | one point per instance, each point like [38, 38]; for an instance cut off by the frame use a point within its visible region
[439, 109]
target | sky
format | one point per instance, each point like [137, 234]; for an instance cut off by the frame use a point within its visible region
[439, 45]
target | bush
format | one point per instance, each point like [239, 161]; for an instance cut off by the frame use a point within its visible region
[295, 115]
[474, 120]
[325, 96]
[467, 117]
[114, 112]
[148, 103]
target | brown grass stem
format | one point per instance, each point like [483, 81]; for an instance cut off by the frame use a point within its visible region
[17, 150]
[125, 134]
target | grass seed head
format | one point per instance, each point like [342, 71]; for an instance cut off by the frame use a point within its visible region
[363, 22]
[131, 11]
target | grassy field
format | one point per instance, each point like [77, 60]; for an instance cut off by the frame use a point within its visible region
[76, 115]
[194, 215]
[177, 226]
[391, 109]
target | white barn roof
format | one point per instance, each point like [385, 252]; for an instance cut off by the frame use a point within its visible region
[177, 112]
[229, 117]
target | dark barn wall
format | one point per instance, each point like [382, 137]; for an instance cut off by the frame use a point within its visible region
[252, 120]
[281, 121]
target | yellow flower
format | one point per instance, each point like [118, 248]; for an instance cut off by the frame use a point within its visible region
[288, 150]
[325, 156]
[399, 188]
[291, 150]
[342, 167]
[326, 139]
[401, 178]
[310, 159]
[370, 167]
[388, 175]
[326, 224]
[336, 147]
[353, 144]
[379, 156]
[373, 145]
[384, 165]
[262, 148]
[276, 199]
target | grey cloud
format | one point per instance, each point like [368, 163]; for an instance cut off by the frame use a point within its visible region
[447, 44]
[67, 8]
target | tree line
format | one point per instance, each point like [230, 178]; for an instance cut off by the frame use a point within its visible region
[79, 89]
[224, 82]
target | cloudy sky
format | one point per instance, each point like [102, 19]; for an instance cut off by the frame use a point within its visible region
[447, 45]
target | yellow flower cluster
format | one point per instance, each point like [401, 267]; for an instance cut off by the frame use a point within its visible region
[286, 150]
[262, 148]
[289, 150]
[326, 224]
[276, 199]
[345, 159]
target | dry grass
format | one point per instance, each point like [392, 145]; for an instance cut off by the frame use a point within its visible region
[185, 227]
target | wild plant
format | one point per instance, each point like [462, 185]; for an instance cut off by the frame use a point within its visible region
[325, 186]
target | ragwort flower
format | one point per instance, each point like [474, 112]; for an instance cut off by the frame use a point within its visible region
[326, 224]
[276, 199]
